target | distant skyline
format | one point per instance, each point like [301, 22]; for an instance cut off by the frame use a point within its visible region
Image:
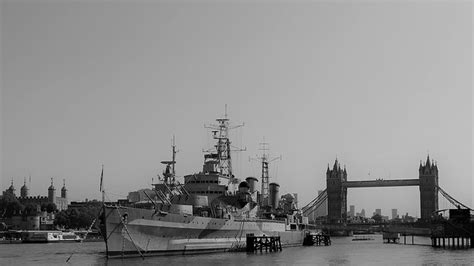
[377, 85]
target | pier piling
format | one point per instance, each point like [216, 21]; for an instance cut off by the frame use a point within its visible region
[259, 243]
[318, 240]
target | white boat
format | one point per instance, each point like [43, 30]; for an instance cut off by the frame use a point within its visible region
[46, 236]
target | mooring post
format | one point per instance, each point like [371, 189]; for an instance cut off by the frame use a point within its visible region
[250, 243]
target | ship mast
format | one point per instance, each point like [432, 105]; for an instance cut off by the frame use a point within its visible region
[265, 160]
[173, 173]
[223, 146]
[169, 173]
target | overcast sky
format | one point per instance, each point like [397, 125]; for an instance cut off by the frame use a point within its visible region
[377, 85]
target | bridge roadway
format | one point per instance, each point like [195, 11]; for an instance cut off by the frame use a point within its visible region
[382, 183]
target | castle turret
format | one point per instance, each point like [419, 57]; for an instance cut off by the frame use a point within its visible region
[64, 190]
[24, 190]
[11, 189]
[52, 193]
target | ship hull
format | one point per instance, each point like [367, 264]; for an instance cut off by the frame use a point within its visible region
[142, 232]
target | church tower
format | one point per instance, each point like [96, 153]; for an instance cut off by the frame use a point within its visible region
[64, 190]
[52, 193]
[24, 190]
[428, 174]
[337, 194]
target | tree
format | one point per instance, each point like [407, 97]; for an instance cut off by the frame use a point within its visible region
[51, 207]
[9, 206]
[377, 218]
[77, 217]
[62, 219]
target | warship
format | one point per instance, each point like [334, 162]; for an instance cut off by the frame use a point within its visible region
[212, 211]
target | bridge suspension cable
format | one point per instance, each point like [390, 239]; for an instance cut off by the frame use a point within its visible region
[314, 200]
[451, 199]
[313, 205]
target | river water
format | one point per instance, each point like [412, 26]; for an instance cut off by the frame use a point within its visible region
[343, 251]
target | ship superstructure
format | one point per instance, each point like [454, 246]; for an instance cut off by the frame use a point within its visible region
[217, 177]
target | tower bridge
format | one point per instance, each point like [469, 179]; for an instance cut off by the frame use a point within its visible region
[335, 195]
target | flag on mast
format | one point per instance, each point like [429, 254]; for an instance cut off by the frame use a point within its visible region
[101, 178]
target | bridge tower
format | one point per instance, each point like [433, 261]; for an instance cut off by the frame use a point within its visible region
[428, 174]
[337, 194]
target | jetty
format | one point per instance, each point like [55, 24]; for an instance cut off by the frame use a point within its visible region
[457, 232]
[317, 239]
[263, 243]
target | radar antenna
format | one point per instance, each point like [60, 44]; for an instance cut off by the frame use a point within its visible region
[223, 147]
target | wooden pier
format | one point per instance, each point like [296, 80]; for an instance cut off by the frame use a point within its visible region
[452, 242]
[263, 243]
[390, 237]
[457, 232]
[447, 235]
[317, 239]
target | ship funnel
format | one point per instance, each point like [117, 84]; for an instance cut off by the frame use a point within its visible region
[252, 181]
[244, 187]
[274, 195]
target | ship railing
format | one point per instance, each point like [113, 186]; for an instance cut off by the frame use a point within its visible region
[259, 220]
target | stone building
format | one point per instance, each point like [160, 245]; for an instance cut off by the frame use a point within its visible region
[24, 198]
[428, 174]
[337, 194]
